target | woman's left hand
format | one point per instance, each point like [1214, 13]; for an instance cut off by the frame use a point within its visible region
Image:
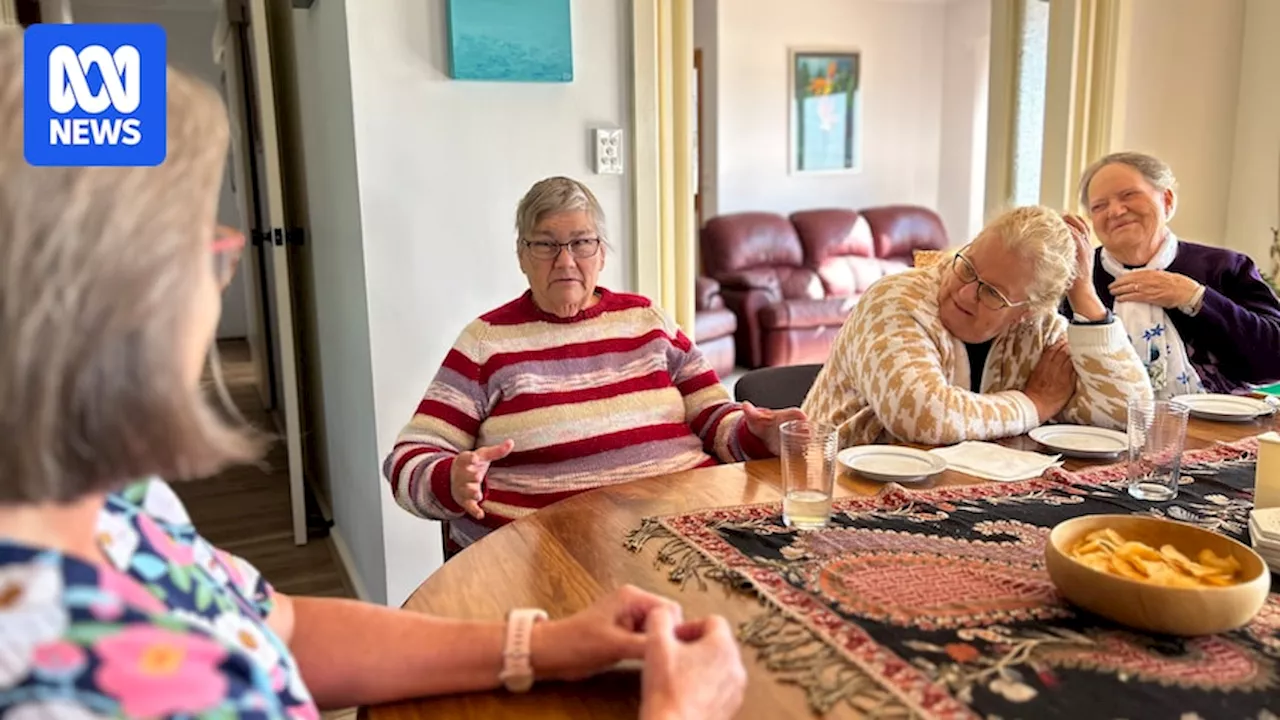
[764, 423]
[1155, 287]
[596, 639]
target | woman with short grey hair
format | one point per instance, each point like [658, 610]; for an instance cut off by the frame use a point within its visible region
[1201, 318]
[111, 603]
[569, 387]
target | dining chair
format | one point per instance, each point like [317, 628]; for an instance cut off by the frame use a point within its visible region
[446, 544]
[776, 388]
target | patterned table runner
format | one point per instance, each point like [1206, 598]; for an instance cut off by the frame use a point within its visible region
[936, 603]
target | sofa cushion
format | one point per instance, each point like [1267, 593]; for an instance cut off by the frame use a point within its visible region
[897, 230]
[712, 324]
[749, 240]
[848, 276]
[806, 313]
[832, 233]
[798, 346]
[837, 244]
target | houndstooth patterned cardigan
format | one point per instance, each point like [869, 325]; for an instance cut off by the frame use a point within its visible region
[895, 373]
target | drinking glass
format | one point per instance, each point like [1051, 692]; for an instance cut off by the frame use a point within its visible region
[1157, 434]
[808, 473]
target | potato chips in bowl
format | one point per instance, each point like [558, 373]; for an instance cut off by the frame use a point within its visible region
[1156, 575]
[1109, 551]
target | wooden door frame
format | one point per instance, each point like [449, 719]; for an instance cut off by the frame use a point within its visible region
[1085, 86]
[1002, 104]
[663, 224]
[1087, 65]
[701, 156]
[268, 135]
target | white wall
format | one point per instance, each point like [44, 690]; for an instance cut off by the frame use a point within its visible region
[965, 77]
[902, 61]
[1183, 88]
[1254, 205]
[337, 256]
[441, 166]
[189, 29]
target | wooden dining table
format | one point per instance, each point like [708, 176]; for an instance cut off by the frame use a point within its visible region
[564, 557]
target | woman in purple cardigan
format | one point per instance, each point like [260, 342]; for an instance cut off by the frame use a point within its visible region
[1201, 318]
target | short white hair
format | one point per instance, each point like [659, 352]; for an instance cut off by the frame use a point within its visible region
[556, 195]
[1153, 169]
[1038, 235]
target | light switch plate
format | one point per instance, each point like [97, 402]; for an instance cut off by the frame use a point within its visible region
[608, 151]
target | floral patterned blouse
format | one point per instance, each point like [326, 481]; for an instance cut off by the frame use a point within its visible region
[174, 628]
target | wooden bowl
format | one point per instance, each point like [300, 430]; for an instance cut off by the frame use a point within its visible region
[1154, 608]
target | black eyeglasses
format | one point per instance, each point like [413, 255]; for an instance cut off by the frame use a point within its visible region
[581, 248]
[990, 297]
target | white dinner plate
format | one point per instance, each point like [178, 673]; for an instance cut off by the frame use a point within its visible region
[1081, 441]
[890, 463]
[1229, 408]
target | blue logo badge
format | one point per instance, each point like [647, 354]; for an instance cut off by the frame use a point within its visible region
[94, 95]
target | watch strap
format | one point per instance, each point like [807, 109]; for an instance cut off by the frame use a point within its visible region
[1192, 307]
[1104, 320]
[517, 668]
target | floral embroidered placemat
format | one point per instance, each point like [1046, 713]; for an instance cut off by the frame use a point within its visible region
[936, 604]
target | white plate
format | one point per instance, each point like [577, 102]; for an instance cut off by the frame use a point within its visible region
[1081, 441]
[890, 463]
[1231, 408]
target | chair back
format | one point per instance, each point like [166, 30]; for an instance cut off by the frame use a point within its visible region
[776, 388]
[450, 548]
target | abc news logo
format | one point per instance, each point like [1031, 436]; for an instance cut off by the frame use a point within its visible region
[94, 95]
[69, 89]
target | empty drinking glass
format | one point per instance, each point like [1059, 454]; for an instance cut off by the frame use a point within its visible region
[808, 473]
[1157, 434]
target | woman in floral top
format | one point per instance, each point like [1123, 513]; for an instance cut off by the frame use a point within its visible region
[111, 604]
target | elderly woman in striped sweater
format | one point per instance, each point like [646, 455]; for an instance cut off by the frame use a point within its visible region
[566, 388]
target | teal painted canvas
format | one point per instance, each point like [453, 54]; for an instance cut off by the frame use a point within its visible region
[510, 40]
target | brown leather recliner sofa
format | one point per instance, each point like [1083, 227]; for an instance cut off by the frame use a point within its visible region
[791, 282]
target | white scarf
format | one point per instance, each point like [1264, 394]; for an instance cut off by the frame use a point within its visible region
[1152, 333]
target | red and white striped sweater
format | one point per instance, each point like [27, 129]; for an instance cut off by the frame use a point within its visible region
[614, 394]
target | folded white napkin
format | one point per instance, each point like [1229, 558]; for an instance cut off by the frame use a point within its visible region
[996, 462]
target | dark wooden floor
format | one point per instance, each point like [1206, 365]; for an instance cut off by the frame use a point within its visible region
[245, 510]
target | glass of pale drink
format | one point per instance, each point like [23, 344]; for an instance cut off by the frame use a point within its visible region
[808, 473]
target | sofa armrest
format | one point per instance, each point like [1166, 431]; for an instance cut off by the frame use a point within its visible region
[746, 305]
[708, 294]
[752, 279]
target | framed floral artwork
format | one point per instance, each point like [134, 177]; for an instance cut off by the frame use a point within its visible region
[826, 111]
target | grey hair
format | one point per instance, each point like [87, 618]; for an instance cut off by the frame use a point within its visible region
[555, 195]
[99, 268]
[1040, 236]
[1153, 169]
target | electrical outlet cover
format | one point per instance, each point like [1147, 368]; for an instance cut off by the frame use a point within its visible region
[608, 142]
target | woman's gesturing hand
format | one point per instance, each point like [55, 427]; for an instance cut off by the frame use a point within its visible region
[466, 480]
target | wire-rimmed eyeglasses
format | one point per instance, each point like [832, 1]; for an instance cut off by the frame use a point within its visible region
[581, 248]
[990, 297]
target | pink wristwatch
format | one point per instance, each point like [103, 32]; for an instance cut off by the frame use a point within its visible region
[517, 670]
